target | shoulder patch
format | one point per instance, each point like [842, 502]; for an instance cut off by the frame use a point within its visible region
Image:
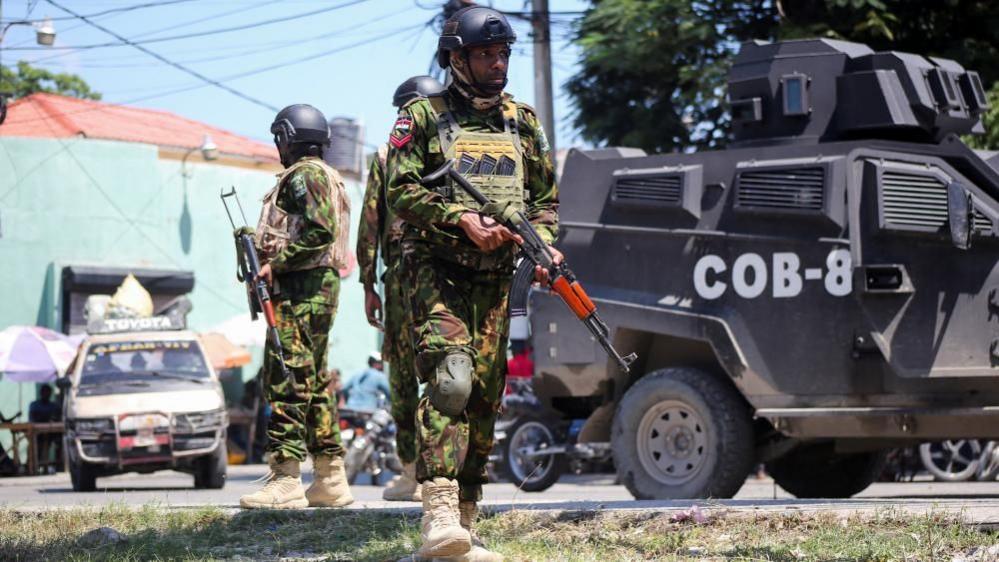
[543, 145]
[299, 189]
[402, 132]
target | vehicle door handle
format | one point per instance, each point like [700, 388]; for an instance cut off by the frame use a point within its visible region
[886, 279]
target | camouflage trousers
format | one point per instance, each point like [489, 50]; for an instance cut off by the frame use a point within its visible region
[397, 349]
[457, 308]
[304, 415]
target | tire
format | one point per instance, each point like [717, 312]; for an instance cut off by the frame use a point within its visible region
[952, 460]
[83, 477]
[540, 473]
[815, 470]
[682, 433]
[358, 452]
[210, 471]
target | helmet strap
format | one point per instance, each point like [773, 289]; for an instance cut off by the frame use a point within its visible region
[468, 85]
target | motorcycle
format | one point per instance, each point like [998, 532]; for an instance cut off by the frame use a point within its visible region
[533, 448]
[961, 460]
[369, 441]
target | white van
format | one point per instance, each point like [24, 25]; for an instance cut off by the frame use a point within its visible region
[142, 401]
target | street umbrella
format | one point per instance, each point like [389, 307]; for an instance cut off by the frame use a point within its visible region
[35, 354]
[242, 331]
[223, 353]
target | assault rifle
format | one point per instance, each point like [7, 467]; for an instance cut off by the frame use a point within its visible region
[248, 272]
[535, 252]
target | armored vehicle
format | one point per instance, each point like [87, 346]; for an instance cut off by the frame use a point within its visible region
[822, 290]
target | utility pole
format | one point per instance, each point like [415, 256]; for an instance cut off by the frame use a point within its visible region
[540, 22]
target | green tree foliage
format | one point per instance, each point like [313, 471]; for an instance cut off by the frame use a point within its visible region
[990, 140]
[27, 79]
[652, 72]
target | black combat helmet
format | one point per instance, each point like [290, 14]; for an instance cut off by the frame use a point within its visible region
[416, 87]
[300, 123]
[472, 26]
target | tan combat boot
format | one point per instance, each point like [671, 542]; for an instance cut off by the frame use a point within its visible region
[282, 491]
[469, 512]
[404, 487]
[442, 534]
[329, 487]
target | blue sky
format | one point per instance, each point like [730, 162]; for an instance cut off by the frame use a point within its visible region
[355, 81]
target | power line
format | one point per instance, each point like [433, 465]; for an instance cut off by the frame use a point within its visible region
[242, 49]
[110, 11]
[167, 61]
[260, 70]
[124, 42]
[160, 30]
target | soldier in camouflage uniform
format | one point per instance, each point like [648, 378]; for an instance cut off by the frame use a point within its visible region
[381, 230]
[302, 242]
[458, 263]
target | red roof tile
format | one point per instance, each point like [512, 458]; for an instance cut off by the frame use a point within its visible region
[54, 116]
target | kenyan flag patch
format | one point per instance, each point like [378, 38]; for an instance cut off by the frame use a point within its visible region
[402, 132]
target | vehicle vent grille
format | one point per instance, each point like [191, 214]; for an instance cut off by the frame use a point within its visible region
[913, 200]
[663, 189]
[790, 189]
[982, 223]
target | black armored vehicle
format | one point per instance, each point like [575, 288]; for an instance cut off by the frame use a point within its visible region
[821, 291]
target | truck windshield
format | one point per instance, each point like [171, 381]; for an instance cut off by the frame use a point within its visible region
[143, 361]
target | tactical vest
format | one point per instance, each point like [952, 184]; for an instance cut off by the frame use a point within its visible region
[277, 228]
[492, 161]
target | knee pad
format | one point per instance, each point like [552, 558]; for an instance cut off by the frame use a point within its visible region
[453, 383]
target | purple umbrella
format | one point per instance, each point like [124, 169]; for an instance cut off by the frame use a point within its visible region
[34, 354]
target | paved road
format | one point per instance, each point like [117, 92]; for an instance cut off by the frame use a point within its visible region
[975, 501]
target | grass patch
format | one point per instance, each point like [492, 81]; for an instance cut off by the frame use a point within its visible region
[155, 533]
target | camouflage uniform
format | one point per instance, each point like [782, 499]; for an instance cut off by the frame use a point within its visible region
[380, 228]
[458, 293]
[304, 414]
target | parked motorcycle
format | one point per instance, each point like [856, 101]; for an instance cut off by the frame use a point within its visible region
[369, 441]
[961, 460]
[533, 447]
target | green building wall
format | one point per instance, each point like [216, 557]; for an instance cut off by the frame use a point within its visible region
[91, 202]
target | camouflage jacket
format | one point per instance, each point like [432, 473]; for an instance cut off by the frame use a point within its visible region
[380, 229]
[307, 194]
[416, 151]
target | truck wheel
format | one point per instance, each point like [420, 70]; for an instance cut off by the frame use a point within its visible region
[83, 477]
[815, 470]
[532, 474]
[210, 472]
[682, 433]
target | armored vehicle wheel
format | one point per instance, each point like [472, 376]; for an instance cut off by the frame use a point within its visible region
[815, 470]
[682, 433]
[83, 477]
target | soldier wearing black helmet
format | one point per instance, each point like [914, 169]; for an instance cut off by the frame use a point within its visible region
[302, 242]
[457, 263]
[380, 232]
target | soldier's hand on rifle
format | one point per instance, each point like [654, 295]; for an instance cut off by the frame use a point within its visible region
[486, 233]
[540, 273]
[373, 307]
[267, 275]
